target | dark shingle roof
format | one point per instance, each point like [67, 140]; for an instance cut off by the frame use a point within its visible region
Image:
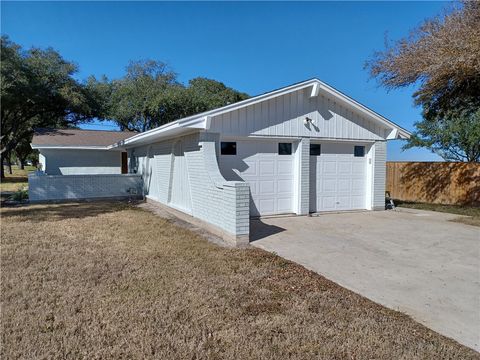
[77, 137]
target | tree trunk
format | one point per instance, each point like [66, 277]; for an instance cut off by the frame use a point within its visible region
[2, 169]
[9, 164]
[22, 165]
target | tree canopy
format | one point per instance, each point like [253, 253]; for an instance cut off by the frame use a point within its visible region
[38, 90]
[441, 57]
[150, 95]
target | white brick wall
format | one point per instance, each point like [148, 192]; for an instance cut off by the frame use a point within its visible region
[379, 174]
[222, 203]
[304, 177]
[77, 187]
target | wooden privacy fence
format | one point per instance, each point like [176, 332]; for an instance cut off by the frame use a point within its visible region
[434, 182]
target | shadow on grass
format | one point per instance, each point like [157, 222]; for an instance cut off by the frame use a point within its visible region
[14, 179]
[58, 212]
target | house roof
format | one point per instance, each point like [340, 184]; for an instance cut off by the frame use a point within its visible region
[202, 120]
[76, 138]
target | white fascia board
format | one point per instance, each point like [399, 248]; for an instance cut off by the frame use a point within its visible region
[69, 147]
[177, 127]
[202, 120]
[315, 89]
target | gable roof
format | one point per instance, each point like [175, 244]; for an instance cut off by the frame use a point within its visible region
[202, 120]
[44, 138]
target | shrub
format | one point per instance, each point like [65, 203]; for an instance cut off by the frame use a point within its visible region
[20, 195]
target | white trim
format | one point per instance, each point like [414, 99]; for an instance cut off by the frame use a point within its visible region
[202, 121]
[393, 134]
[71, 147]
[315, 90]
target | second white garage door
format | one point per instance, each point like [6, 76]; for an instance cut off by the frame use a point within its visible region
[268, 171]
[337, 177]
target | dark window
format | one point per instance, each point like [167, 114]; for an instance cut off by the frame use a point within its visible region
[228, 148]
[359, 151]
[315, 149]
[284, 148]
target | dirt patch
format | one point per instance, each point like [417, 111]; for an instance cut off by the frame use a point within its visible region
[109, 280]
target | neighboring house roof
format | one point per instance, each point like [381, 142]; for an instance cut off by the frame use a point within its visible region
[77, 139]
[202, 120]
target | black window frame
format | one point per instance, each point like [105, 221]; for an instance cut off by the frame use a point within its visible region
[356, 154]
[319, 146]
[223, 150]
[284, 146]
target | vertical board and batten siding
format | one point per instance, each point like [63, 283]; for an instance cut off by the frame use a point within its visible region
[284, 116]
[379, 175]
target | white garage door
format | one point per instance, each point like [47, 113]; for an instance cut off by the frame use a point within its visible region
[269, 174]
[337, 177]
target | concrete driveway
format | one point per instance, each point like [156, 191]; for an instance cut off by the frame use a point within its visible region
[417, 262]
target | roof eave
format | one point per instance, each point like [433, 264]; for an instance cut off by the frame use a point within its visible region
[177, 127]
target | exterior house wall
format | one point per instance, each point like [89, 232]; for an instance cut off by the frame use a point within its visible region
[284, 116]
[76, 187]
[379, 175]
[224, 204]
[80, 162]
[302, 183]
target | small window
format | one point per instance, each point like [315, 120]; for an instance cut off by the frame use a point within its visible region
[359, 151]
[228, 148]
[284, 148]
[315, 149]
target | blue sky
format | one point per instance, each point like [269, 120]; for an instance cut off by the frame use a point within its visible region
[251, 46]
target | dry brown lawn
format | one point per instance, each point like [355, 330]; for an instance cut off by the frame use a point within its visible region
[17, 180]
[470, 214]
[109, 280]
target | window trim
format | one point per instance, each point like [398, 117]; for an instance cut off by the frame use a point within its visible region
[228, 142]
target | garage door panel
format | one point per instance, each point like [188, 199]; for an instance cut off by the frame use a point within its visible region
[344, 167]
[342, 202]
[267, 187]
[339, 178]
[329, 167]
[285, 167]
[284, 204]
[253, 188]
[358, 186]
[343, 185]
[358, 201]
[358, 168]
[269, 175]
[266, 167]
[328, 202]
[329, 185]
[250, 167]
[266, 206]
[284, 186]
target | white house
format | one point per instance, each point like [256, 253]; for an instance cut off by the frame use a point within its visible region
[296, 150]
[299, 149]
[80, 152]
